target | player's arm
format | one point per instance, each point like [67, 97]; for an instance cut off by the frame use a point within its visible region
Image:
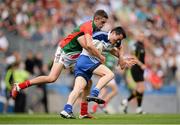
[86, 43]
[92, 49]
[119, 53]
[88, 31]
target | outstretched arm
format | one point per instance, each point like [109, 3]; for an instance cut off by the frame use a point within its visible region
[123, 62]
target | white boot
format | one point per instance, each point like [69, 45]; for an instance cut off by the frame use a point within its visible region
[124, 105]
[139, 110]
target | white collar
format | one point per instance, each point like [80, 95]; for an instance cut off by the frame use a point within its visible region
[109, 34]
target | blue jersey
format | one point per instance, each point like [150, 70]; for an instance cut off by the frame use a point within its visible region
[86, 63]
[103, 37]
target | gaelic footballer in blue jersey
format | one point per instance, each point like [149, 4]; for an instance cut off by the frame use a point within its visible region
[87, 65]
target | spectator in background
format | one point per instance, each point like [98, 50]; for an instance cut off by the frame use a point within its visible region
[41, 69]
[29, 63]
[8, 80]
[19, 75]
[38, 60]
[4, 44]
[15, 72]
[44, 71]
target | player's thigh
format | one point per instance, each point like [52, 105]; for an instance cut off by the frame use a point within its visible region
[140, 86]
[89, 85]
[58, 65]
[80, 84]
[102, 70]
[56, 69]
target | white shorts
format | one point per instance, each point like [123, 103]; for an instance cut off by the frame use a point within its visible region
[68, 60]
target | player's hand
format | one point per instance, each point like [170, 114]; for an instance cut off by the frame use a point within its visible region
[128, 62]
[122, 64]
[131, 61]
[102, 59]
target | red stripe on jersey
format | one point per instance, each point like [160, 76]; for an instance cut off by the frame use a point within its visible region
[85, 28]
[75, 56]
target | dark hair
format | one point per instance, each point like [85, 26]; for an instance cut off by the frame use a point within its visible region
[101, 13]
[119, 30]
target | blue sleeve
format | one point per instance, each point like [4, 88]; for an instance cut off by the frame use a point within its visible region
[102, 36]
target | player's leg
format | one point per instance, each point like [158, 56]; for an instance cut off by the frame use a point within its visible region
[110, 95]
[56, 69]
[53, 75]
[79, 86]
[107, 96]
[114, 90]
[82, 76]
[101, 95]
[103, 92]
[140, 91]
[106, 76]
[84, 104]
[132, 85]
[138, 76]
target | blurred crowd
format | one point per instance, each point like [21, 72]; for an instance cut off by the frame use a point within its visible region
[48, 21]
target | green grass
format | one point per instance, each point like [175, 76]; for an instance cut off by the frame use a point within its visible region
[100, 119]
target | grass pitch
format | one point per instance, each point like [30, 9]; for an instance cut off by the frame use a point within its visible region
[100, 119]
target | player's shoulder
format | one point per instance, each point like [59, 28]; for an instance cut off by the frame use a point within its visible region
[87, 23]
[100, 33]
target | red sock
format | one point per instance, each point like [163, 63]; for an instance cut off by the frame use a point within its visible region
[24, 84]
[105, 104]
[94, 107]
[84, 108]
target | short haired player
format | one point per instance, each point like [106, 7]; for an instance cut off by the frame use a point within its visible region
[87, 65]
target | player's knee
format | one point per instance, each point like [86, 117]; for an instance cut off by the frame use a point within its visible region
[77, 91]
[111, 75]
[140, 90]
[52, 79]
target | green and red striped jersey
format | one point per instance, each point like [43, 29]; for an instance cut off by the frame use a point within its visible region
[70, 44]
